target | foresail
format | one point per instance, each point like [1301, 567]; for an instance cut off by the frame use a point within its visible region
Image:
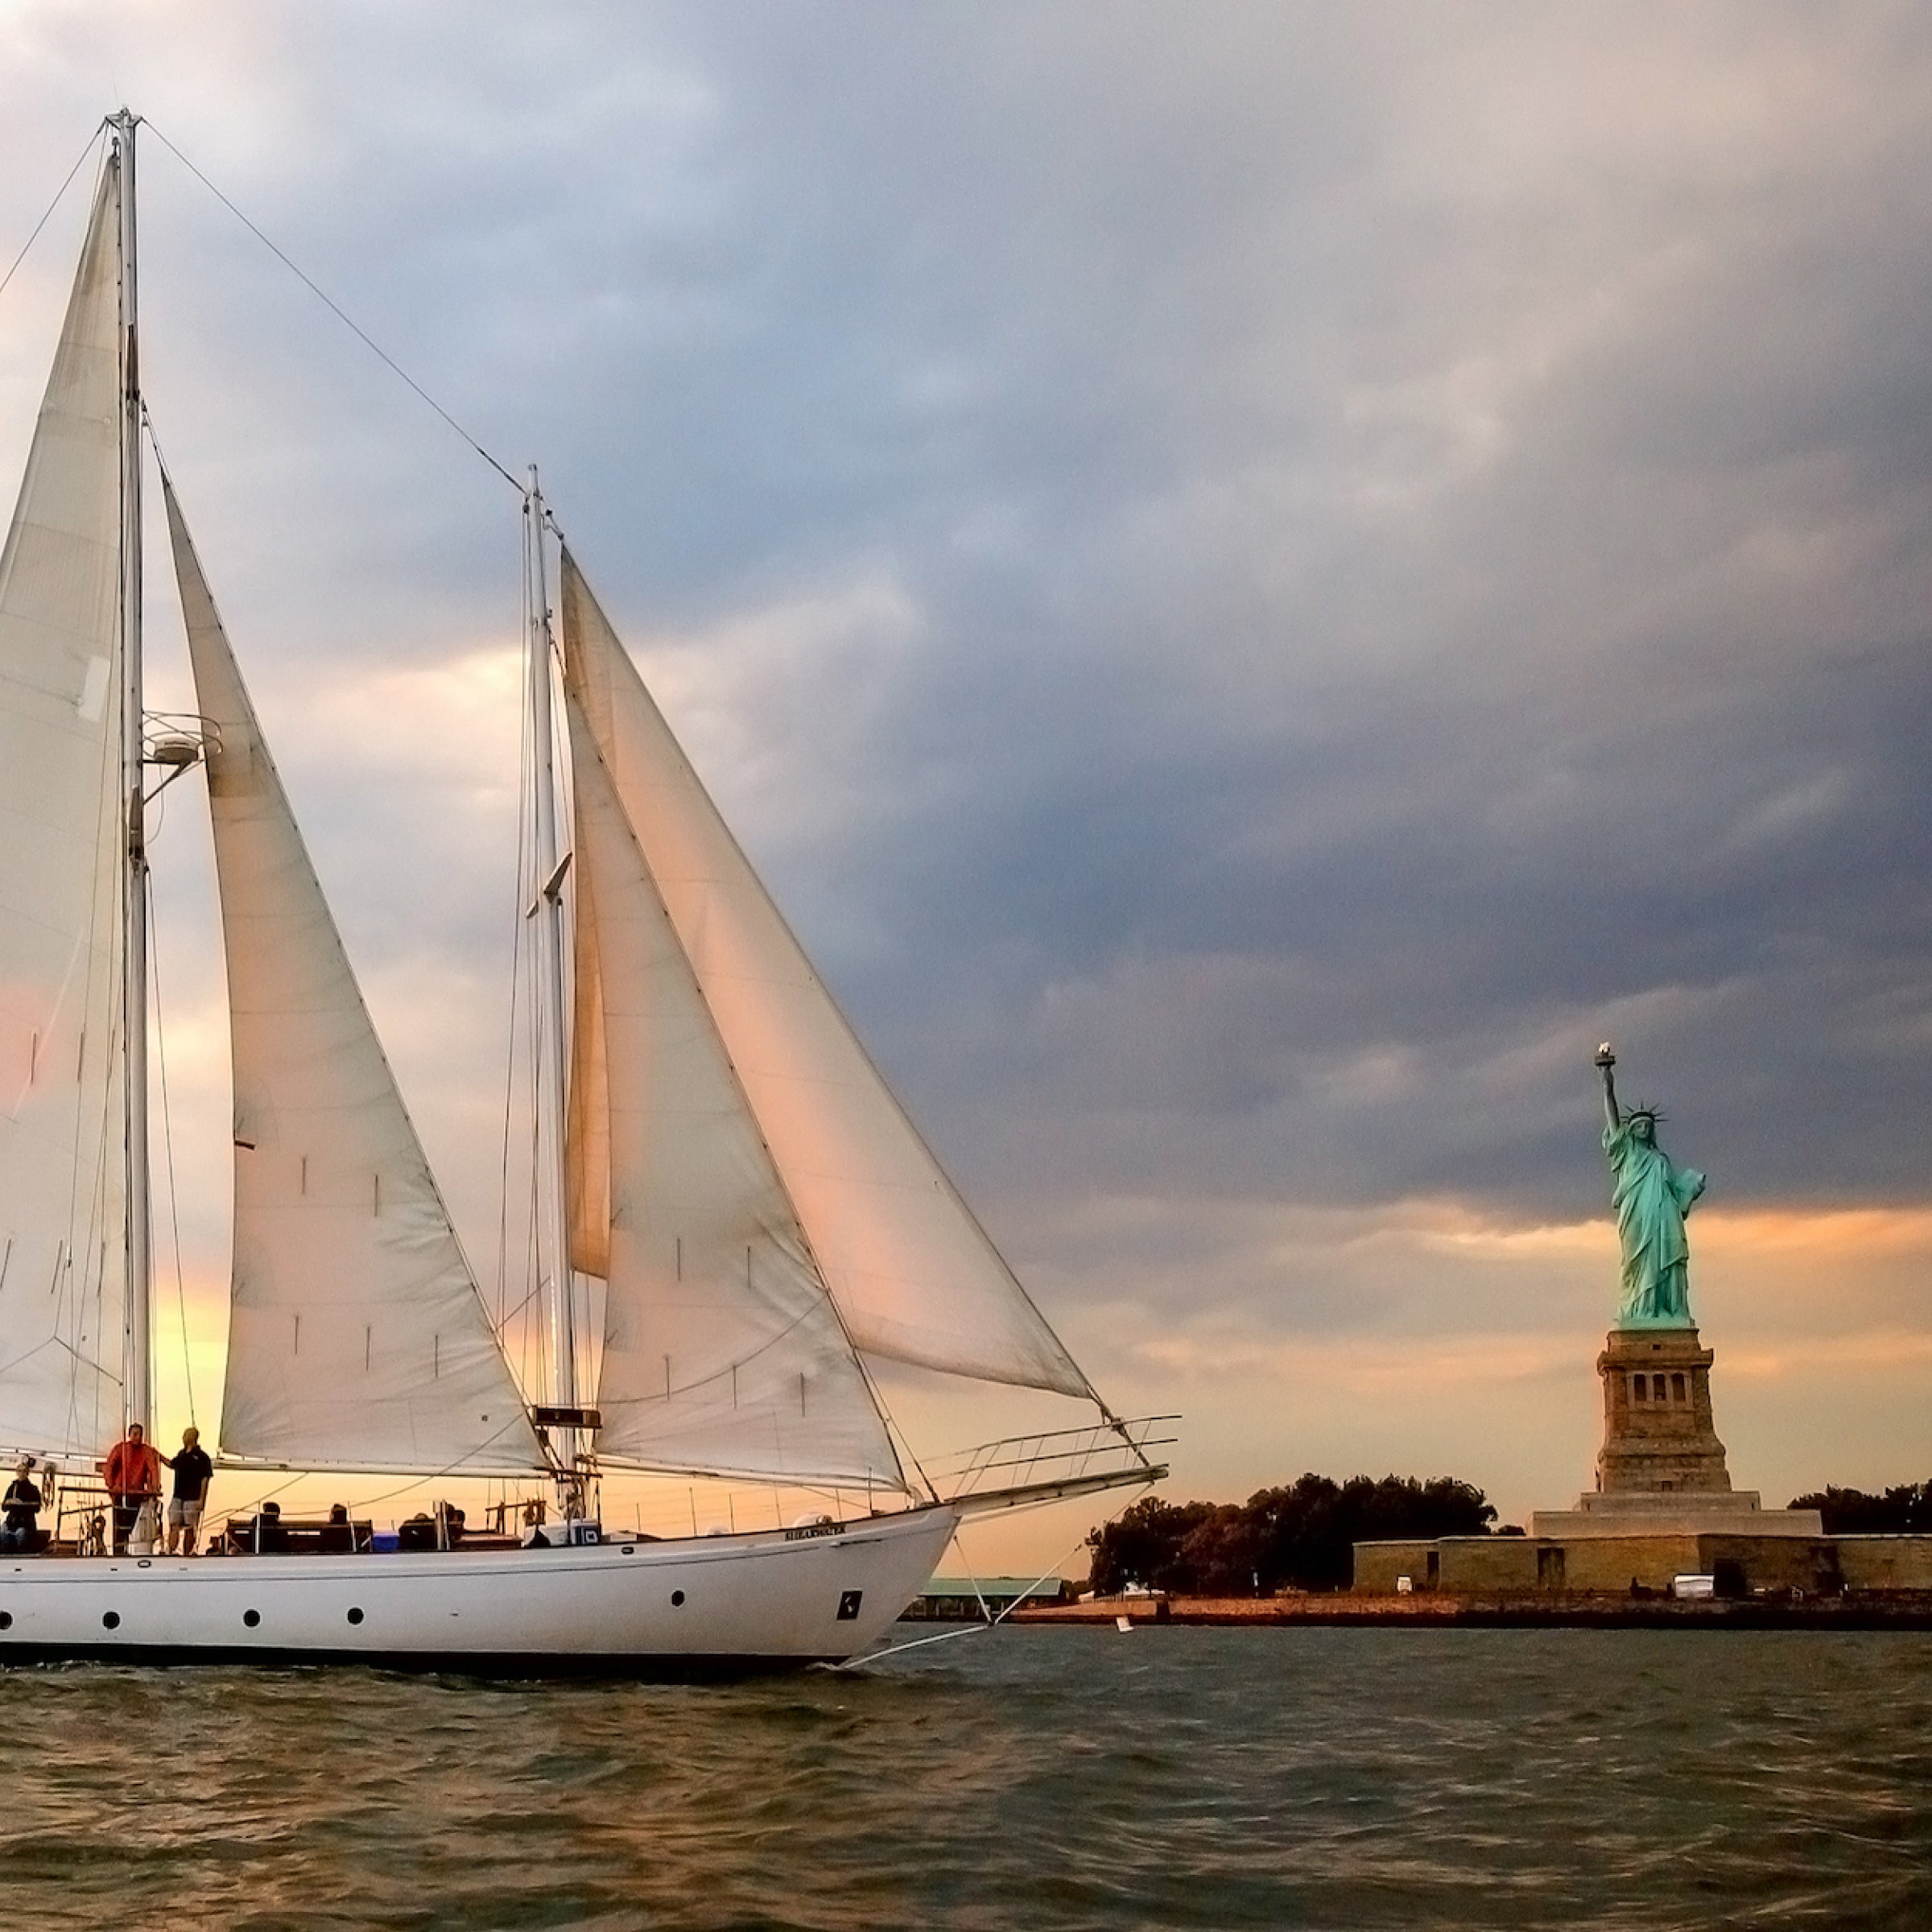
[915, 1277]
[722, 1351]
[62, 1201]
[356, 1337]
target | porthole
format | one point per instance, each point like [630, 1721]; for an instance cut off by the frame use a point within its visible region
[6, 1620]
[355, 1617]
[111, 1620]
[630, 1549]
[677, 1599]
[251, 1617]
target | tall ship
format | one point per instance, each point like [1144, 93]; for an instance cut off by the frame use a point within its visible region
[718, 1170]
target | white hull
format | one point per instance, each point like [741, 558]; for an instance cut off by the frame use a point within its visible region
[708, 1605]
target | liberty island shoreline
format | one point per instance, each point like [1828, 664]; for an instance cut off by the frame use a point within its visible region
[1437, 1610]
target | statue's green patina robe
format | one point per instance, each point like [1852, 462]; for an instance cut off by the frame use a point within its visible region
[1651, 1195]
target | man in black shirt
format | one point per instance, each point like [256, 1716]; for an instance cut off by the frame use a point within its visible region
[193, 1472]
[22, 1505]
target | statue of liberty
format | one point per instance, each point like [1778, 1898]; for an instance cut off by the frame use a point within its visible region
[1652, 1196]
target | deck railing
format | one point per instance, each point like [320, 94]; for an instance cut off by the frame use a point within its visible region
[1057, 1455]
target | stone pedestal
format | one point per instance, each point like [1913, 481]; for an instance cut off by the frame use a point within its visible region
[1658, 1436]
[1660, 1472]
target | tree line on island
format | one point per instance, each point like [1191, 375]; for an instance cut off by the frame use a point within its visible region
[1301, 1536]
[1905, 1510]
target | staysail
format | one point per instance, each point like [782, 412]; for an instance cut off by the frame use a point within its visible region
[914, 1275]
[357, 1337]
[722, 1351]
[63, 1199]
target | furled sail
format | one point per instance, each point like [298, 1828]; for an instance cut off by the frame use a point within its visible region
[915, 1277]
[63, 1184]
[587, 1127]
[356, 1337]
[722, 1351]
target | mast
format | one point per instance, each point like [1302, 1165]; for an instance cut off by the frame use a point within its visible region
[547, 909]
[139, 1364]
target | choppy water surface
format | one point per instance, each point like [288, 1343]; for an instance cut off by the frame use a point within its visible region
[1036, 1778]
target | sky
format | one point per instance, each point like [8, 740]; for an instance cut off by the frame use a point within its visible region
[1255, 580]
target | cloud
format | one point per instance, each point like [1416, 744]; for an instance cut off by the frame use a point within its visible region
[1255, 591]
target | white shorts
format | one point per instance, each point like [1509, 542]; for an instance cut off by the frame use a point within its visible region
[184, 1515]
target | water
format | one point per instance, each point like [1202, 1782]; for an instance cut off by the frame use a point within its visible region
[1036, 1779]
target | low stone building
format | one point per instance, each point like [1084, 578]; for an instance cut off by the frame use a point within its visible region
[1885, 1562]
[1502, 1566]
[968, 1599]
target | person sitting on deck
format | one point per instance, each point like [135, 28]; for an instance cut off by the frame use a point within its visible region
[443, 1530]
[338, 1534]
[193, 1472]
[22, 1505]
[132, 1474]
[270, 1538]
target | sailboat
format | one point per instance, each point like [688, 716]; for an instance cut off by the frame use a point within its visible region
[714, 1153]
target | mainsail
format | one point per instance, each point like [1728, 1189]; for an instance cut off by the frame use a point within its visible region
[63, 1203]
[914, 1275]
[722, 1351]
[357, 1337]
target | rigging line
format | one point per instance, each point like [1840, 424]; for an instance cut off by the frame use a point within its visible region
[336, 309]
[967, 1562]
[519, 973]
[529, 1297]
[453, 1469]
[59, 193]
[253, 1507]
[167, 1142]
[534, 1324]
[533, 1265]
[890, 1420]
[510, 1058]
[993, 1623]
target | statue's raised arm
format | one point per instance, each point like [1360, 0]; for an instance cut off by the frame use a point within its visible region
[1606, 1060]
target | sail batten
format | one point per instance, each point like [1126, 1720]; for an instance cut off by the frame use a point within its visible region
[722, 1349]
[915, 1277]
[357, 1336]
[63, 1267]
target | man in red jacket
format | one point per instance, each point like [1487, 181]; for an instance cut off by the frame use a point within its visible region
[132, 1473]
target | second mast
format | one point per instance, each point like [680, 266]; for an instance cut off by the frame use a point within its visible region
[137, 1370]
[547, 908]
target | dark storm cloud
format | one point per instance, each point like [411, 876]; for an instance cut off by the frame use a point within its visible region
[1266, 578]
[1346, 750]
